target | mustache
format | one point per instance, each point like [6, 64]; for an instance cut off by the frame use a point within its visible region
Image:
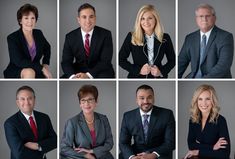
[146, 104]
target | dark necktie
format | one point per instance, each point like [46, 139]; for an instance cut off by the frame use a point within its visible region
[33, 127]
[87, 45]
[145, 126]
[202, 53]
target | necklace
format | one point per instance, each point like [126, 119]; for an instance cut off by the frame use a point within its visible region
[90, 122]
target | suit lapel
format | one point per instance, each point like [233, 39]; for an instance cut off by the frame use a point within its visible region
[37, 44]
[25, 124]
[156, 47]
[139, 124]
[97, 127]
[197, 39]
[82, 123]
[153, 120]
[24, 44]
[81, 44]
[210, 41]
[93, 43]
[39, 124]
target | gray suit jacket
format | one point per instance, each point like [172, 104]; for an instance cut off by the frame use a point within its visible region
[218, 57]
[77, 134]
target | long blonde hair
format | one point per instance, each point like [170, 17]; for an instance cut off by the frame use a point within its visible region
[138, 33]
[195, 113]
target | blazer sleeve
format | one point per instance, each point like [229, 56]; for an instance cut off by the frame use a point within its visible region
[170, 55]
[225, 57]
[67, 57]
[183, 58]
[125, 139]
[106, 54]
[67, 142]
[124, 53]
[169, 137]
[50, 142]
[18, 58]
[16, 144]
[108, 143]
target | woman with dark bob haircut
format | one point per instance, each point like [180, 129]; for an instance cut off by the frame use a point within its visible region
[28, 47]
[88, 134]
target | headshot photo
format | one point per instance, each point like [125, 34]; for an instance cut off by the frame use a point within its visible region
[87, 120]
[146, 39]
[205, 39]
[28, 120]
[87, 39]
[146, 120]
[205, 119]
[29, 45]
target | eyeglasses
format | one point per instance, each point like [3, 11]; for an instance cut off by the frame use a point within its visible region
[205, 16]
[89, 100]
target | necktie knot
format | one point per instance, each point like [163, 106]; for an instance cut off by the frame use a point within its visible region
[87, 36]
[146, 116]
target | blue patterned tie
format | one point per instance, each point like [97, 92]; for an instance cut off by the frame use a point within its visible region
[145, 126]
[202, 52]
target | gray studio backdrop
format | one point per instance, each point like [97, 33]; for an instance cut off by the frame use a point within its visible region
[47, 23]
[164, 95]
[69, 104]
[187, 24]
[225, 92]
[105, 17]
[128, 10]
[46, 102]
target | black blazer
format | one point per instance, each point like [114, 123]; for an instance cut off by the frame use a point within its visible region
[161, 133]
[98, 64]
[218, 57]
[139, 56]
[204, 140]
[76, 133]
[18, 132]
[20, 57]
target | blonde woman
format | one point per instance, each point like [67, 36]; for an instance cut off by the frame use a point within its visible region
[208, 134]
[147, 44]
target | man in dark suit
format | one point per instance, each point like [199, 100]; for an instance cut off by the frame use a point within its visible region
[152, 129]
[89, 46]
[29, 133]
[210, 49]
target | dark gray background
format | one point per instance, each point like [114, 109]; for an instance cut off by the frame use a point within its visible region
[225, 92]
[105, 17]
[47, 23]
[187, 24]
[128, 10]
[164, 95]
[46, 102]
[69, 104]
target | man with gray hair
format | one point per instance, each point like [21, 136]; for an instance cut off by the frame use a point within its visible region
[209, 49]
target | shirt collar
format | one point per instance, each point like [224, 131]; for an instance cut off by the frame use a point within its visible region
[207, 34]
[149, 37]
[27, 116]
[148, 113]
[84, 33]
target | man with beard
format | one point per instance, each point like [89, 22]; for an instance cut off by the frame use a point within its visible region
[151, 127]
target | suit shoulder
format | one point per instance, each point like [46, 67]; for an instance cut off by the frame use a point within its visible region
[73, 32]
[221, 119]
[14, 34]
[163, 110]
[103, 30]
[43, 115]
[12, 118]
[131, 112]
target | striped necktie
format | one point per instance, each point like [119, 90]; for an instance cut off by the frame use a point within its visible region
[87, 45]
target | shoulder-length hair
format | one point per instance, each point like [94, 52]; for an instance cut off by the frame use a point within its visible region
[195, 113]
[138, 33]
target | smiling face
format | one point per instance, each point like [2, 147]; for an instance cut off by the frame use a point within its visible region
[28, 21]
[205, 19]
[88, 104]
[145, 99]
[148, 22]
[25, 101]
[87, 19]
[205, 102]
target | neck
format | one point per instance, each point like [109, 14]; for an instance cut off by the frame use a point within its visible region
[89, 118]
[27, 32]
[205, 116]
